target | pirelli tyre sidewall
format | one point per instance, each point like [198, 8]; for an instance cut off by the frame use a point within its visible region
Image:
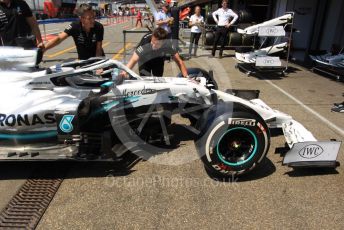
[234, 143]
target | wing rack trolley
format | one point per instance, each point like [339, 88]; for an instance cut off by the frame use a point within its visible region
[265, 59]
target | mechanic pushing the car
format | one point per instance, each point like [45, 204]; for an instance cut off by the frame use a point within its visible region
[223, 24]
[87, 34]
[151, 52]
[17, 24]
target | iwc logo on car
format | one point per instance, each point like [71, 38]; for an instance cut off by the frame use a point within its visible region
[269, 61]
[311, 151]
[271, 31]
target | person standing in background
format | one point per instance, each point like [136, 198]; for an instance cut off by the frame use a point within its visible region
[17, 24]
[223, 22]
[196, 22]
[164, 20]
[139, 18]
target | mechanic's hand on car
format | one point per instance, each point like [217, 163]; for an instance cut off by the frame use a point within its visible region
[118, 79]
[99, 71]
[228, 25]
[123, 74]
[194, 79]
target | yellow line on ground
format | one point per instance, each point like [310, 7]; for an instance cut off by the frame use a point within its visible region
[120, 52]
[60, 52]
[106, 44]
[68, 49]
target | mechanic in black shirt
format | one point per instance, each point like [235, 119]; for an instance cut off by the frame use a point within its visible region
[17, 21]
[151, 52]
[87, 34]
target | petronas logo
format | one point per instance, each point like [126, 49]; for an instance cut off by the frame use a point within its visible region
[66, 123]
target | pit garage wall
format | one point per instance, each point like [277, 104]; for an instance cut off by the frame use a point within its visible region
[333, 31]
[261, 10]
[320, 22]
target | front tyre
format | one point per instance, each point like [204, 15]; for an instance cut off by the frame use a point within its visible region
[234, 143]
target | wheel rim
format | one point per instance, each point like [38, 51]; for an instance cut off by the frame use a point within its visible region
[237, 146]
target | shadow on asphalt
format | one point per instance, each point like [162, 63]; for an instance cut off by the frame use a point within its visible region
[277, 76]
[267, 75]
[62, 169]
[303, 172]
[276, 132]
[216, 56]
[228, 56]
[13, 170]
[73, 170]
[84, 169]
[264, 169]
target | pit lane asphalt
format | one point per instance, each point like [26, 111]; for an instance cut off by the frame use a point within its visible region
[183, 196]
[10, 178]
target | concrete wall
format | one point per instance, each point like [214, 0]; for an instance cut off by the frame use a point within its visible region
[321, 23]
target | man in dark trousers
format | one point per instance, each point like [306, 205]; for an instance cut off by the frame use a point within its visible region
[150, 54]
[17, 24]
[87, 34]
[222, 18]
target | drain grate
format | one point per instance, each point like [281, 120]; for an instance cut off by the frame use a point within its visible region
[26, 208]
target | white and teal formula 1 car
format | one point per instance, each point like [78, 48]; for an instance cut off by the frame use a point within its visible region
[68, 112]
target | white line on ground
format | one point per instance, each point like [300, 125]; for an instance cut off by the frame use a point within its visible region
[48, 31]
[323, 119]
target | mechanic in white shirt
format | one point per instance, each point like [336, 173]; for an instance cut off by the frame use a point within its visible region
[223, 22]
[196, 21]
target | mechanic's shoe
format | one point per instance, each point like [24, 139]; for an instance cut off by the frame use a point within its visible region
[187, 57]
[338, 109]
[338, 104]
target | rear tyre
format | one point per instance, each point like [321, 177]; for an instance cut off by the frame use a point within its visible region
[244, 16]
[235, 39]
[209, 38]
[234, 143]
